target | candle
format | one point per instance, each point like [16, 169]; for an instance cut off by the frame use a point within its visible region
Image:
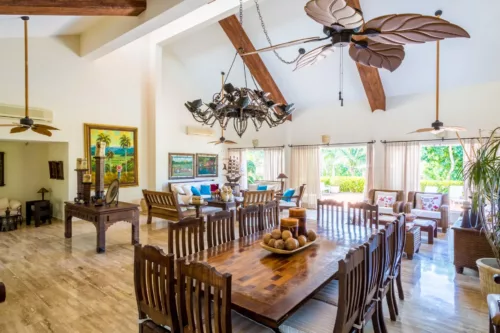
[87, 178]
[84, 163]
[101, 149]
[81, 164]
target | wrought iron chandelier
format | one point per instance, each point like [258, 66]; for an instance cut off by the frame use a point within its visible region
[240, 105]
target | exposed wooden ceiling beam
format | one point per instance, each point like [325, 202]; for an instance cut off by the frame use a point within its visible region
[256, 66]
[371, 78]
[73, 7]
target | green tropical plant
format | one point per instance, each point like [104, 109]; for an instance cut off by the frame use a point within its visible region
[483, 175]
[442, 162]
[125, 143]
[251, 172]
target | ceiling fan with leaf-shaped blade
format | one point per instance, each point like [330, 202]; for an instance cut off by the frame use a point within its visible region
[438, 127]
[27, 123]
[377, 43]
[222, 140]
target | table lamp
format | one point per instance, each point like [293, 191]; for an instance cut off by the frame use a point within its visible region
[282, 177]
[43, 190]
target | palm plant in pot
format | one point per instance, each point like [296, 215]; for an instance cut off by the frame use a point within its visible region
[482, 173]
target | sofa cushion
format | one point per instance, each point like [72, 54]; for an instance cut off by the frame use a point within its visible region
[205, 189]
[418, 199]
[431, 202]
[214, 187]
[426, 214]
[4, 203]
[14, 204]
[195, 191]
[287, 196]
[261, 187]
[385, 210]
[252, 187]
[183, 199]
[384, 194]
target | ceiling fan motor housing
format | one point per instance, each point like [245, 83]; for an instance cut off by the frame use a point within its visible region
[437, 125]
[27, 121]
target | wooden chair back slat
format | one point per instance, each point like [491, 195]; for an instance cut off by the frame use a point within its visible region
[220, 228]
[185, 237]
[201, 292]
[329, 210]
[400, 239]
[163, 205]
[363, 214]
[270, 214]
[375, 263]
[251, 198]
[389, 244]
[154, 286]
[249, 220]
[352, 277]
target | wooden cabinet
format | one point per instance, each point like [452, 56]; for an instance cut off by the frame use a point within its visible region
[469, 245]
[2, 169]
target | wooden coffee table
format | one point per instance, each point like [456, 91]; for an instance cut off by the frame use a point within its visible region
[221, 204]
[413, 241]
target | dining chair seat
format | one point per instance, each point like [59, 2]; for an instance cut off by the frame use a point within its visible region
[241, 324]
[314, 316]
[329, 293]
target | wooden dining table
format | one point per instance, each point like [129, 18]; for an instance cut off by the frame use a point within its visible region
[268, 287]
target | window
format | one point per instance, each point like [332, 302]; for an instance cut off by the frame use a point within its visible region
[255, 165]
[343, 172]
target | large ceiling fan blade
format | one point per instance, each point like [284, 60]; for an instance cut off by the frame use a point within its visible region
[423, 130]
[213, 142]
[47, 127]
[19, 129]
[287, 44]
[313, 56]
[8, 125]
[399, 29]
[454, 129]
[332, 12]
[378, 55]
[230, 142]
[41, 131]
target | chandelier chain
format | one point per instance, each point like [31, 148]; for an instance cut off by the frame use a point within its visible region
[264, 29]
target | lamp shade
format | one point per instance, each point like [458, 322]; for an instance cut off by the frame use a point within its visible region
[43, 190]
[282, 176]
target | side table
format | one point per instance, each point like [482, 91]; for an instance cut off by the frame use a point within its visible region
[413, 241]
[469, 245]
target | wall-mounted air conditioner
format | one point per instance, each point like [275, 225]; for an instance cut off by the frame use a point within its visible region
[201, 131]
[17, 112]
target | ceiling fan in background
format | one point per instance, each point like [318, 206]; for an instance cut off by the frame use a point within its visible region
[376, 43]
[438, 127]
[222, 140]
[27, 123]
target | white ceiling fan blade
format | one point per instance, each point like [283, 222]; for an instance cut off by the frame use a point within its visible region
[423, 130]
[454, 129]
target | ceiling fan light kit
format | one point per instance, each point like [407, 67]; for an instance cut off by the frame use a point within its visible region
[27, 123]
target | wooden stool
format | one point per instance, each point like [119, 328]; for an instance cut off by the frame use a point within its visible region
[291, 224]
[301, 215]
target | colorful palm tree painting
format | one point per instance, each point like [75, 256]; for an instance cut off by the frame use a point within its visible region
[206, 165]
[121, 143]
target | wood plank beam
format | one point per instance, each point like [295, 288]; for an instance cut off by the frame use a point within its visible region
[73, 7]
[232, 28]
[370, 78]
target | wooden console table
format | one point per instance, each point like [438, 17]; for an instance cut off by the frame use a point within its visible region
[469, 245]
[102, 217]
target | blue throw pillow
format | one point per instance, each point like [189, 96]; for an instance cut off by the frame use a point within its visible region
[261, 187]
[195, 191]
[205, 190]
[287, 196]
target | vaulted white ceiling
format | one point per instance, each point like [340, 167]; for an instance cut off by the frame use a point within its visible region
[205, 52]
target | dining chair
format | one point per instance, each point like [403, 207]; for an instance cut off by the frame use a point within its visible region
[154, 289]
[386, 283]
[220, 228]
[316, 316]
[203, 292]
[270, 214]
[361, 213]
[249, 221]
[400, 230]
[185, 237]
[329, 209]
[251, 198]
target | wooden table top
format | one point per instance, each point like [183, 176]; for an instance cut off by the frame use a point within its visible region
[269, 287]
[105, 208]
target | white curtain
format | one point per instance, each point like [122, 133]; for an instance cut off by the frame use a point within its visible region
[305, 169]
[241, 155]
[470, 147]
[370, 167]
[273, 163]
[402, 166]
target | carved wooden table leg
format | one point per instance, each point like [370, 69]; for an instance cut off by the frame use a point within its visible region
[101, 236]
[68, 226]
[135, 228]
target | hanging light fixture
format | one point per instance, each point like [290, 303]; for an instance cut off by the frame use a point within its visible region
[240, 105]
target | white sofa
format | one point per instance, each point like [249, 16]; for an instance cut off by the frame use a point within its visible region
[270, 186]
[13, 205]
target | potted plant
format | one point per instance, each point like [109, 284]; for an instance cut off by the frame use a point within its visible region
[483, 175]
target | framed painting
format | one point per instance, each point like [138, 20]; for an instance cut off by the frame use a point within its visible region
[181, 166]
[206, 165]
[121, 150]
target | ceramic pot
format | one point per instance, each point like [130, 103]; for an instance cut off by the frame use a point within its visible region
[488, 267]
[226, 196]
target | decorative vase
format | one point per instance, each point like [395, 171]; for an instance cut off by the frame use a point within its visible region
[466, 217]
[488, 267]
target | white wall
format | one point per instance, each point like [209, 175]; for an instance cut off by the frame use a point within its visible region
[112, 91]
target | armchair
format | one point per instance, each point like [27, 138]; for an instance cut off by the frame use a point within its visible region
[13, 207]
[438, 213]
[397, 198]
[293, 201]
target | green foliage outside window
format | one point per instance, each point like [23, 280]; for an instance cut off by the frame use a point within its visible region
[442, 163]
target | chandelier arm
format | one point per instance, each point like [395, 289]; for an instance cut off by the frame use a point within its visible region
[230, 68]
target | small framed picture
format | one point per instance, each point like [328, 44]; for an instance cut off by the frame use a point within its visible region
[181, 166]
[206, 165]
